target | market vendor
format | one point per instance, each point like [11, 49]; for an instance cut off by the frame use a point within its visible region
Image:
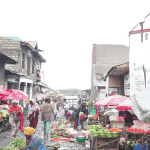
[32, 141]
[83, 109]
[128, 118]
[75, 117]
[121, 113]
[82, 118]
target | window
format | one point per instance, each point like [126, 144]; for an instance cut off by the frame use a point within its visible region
[146, 36]
[23, 60]
[28, 66]
[32, 67]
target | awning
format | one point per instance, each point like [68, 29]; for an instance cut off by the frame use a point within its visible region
[42, 85]
[117, 70]
[7, 59]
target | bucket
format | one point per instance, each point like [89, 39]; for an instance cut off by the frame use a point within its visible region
[139, 146]
[3, 113]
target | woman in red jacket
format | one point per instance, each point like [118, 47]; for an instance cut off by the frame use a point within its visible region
[16, 118]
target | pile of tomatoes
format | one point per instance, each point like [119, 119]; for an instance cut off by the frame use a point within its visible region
[137, 130]
[57, 139]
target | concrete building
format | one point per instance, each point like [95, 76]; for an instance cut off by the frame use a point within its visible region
[117, 80]
[79, 93]
[140, 56]
[105, 56]
[25, 75]
[87, 94]
[3, 61]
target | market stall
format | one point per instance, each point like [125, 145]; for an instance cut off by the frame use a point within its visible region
[4, 119]
[103, 138]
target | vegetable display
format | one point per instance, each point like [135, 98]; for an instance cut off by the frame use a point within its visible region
[15, 144]
[99, 131]
[136, 130]
[55, 136]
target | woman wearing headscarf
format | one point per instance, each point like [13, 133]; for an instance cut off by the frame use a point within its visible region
[16, 117]
[33, 112]
[33, 142]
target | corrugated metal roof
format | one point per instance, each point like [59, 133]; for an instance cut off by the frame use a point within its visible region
[32, 43]
[14, 38]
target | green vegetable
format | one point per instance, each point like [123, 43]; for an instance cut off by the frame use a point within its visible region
[55, 136]
[15, 143]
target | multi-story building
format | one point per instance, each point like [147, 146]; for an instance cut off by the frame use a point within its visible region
[104, 57]
[25, 75]
[140, 56]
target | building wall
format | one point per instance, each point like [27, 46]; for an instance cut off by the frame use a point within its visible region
[13, 49]
[139, 52]
[104, 57]
[114, 81]
[2, 70]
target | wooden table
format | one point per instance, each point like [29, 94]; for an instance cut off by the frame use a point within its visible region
[134, 136]
[104, 143]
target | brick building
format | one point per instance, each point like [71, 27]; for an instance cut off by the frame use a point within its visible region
[25, 75]
[104, 57]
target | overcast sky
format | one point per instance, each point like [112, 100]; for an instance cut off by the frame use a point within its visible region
[66, 30]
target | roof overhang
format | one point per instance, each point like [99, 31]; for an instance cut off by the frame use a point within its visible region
[42, 85]
[36, 52]
[117, 70]
[6, 59]
[87, 90]
[9, 72]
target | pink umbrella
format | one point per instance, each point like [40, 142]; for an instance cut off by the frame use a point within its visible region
[125, 105]
[3, 92]
[15, 94]
[111, 100]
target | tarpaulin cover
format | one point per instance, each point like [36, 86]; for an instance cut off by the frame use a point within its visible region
[140, 103]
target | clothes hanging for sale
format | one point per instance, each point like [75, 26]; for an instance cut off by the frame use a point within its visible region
[93, 112]
[97, 113]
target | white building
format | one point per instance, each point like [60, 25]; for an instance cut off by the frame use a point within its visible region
[140, 56]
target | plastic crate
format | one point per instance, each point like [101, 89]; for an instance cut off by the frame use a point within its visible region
[120, 118]
[139, 146]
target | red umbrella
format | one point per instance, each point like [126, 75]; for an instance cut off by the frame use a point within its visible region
[15, 94]
[111, 100]
[125, 105]
[3, 92]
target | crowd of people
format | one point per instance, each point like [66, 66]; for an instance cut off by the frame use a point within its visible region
[16, 119]
[78, 115]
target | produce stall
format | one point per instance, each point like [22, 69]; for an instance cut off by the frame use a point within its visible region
[102, 138]
[104, 143]
[17, 143]
[137, 138]
[4, 119]
[64, 132]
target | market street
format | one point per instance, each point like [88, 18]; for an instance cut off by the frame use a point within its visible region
[7, 137]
